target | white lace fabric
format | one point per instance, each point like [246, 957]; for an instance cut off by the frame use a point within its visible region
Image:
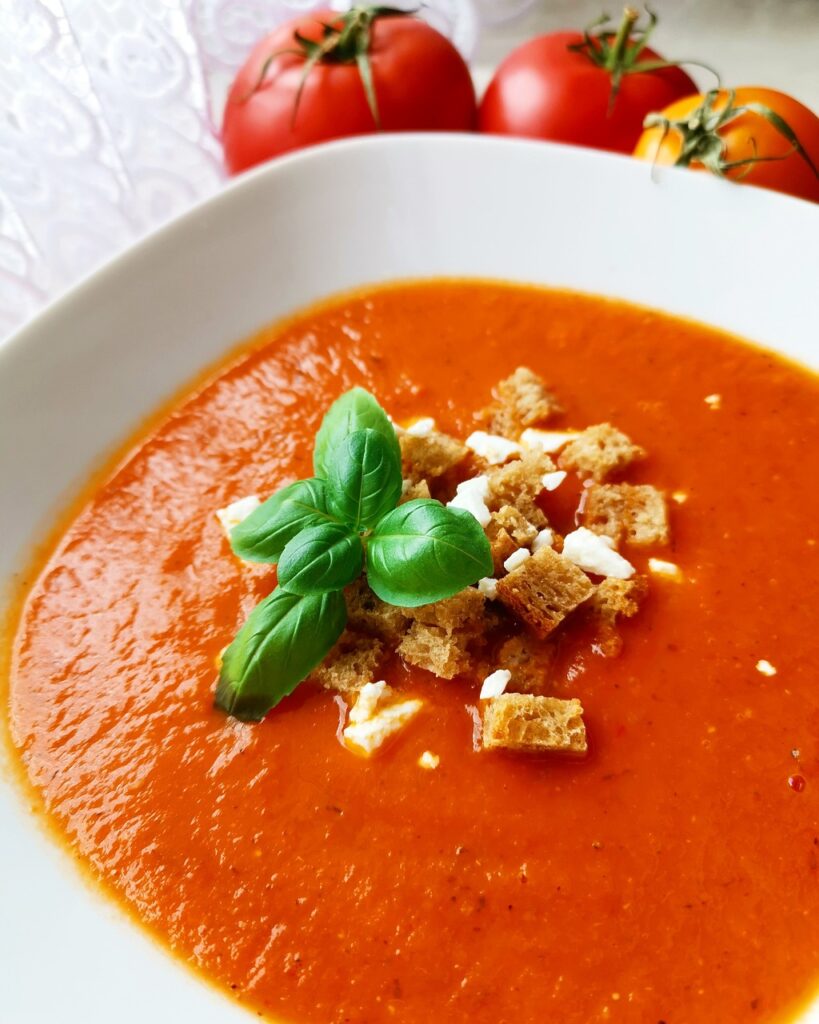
[109, 113]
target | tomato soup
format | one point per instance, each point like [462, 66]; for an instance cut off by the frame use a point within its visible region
[670, 876]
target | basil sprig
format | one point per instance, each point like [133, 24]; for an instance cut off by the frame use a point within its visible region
[322, 533]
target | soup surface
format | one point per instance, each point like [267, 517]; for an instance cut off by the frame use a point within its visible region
[672, 876]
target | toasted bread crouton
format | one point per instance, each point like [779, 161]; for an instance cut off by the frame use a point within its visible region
[412, 489]
[461, 611]
[350, 664]
[502, 545]
[599, 451]
[369, 614]
[544, 590]
[614, 599]
[529, 723]
[530, 662]
[518, 483]
[637, 515]
[429, 456]
[522, 399]
[434, 649]
[515, 523]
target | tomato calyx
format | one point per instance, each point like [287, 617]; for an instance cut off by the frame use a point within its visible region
[619, 52]
[702, 143]
[345, 40]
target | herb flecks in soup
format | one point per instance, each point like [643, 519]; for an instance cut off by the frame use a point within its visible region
[670, 875]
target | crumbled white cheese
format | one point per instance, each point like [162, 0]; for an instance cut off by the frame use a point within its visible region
[495, 683]
[516, 559]
[236, 512]
[371, 722]
[544, 539]
[766, 668]
[713, 401]
[662, 568]
[471, 495]
[488, 586]
[367, 701]
[493, 448]
[551, 481]
[421, 428]
[594, 553]
[546, 440]
[680, 497]
[428, 760]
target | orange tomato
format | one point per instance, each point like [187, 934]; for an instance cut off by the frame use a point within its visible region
[753, 135]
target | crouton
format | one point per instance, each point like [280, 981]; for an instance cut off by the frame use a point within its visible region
[369, 614]
[521, 400]
[515, 523]
[529, 723]
[530, 662]
[518, 484]
[501, 544]
[614, 599]
[431, 455]
[544, 590]
[412, 489]
[350, 664]
[434, 649]
[463, 610]
[636, 515]
[599, 451]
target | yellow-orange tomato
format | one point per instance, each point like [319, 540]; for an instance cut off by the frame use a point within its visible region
[746, 135]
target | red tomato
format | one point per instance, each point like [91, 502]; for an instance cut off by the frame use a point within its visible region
[279, 101]
[587, 89]
[751, 135]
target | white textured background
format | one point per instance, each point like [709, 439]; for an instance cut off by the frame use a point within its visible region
[108, 108]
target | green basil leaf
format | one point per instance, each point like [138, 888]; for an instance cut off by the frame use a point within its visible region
[364, 478]
[283, 640]
[263, 535]
[355, 410]
[321, 559]
[423, 552]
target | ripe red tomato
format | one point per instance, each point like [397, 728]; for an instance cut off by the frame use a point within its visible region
[734, 135]
[590, 89]
[306, 83]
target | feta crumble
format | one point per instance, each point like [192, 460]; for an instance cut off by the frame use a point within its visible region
[516, 559]
[488, 586]
[421, 428]
[594, 553]
[713, 401]
[765, 667]
[546, 440]
[551, 481]
[471, 495]
[371, 722]
[493, 448]
[544, 539]
[663, 568]
[495, 683]
[236, 512]
[428, 760]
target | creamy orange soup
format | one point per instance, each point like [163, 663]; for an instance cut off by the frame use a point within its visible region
[671, 876]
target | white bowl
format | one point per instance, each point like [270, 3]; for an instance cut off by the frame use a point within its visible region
[78, 380]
